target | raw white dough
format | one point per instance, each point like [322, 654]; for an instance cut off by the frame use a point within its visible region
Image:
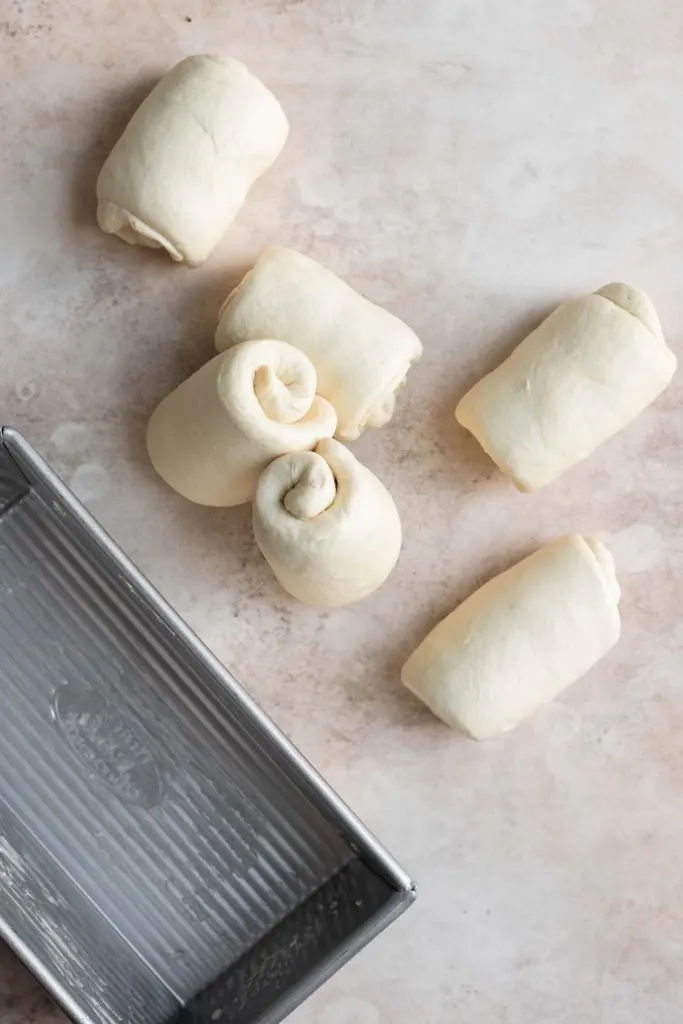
[211, 438]
[583, 375]
[362, 353]
[184, 164]
[520, 640]
[327, 527]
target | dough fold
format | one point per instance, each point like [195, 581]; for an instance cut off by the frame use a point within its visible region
[585, 373]
[211, 438]
[182, 168]
[361, 352]
[520, 640]
[326, 525]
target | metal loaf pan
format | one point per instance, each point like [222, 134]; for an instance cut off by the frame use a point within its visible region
[166, 855]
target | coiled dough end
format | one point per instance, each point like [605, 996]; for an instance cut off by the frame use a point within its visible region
[211, 438]
[362, 353]
[634, 301]
[326, 525]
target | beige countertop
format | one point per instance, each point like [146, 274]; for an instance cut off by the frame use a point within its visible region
[469, 164]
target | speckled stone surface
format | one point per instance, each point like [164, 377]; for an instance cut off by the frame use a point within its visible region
[468, 163]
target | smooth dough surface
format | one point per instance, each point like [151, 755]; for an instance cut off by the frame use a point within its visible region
[182, 168]
[361, 352]
[211, 438]
[580, 377]
[520, 640]
[326, 525]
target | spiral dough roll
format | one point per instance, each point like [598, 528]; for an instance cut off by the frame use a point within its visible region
[211, 438]
[328, 528]
[361, 352]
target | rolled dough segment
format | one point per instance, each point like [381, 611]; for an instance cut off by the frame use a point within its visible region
[182, 168]
[327, 527]
[361, 353]
[520, 640]
[583, 375]
[211, 438]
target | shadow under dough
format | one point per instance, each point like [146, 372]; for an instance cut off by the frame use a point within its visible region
[464, 453]
[109, 117]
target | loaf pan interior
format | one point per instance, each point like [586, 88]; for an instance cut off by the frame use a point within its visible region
[165, 854]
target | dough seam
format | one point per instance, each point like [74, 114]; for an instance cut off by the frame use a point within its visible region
[128, 223]
[617, 305]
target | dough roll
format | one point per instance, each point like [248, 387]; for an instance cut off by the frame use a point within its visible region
[182, 168]
[520, 640]
[211, 438]
[361, 353]
[579, 378]
[325, 524]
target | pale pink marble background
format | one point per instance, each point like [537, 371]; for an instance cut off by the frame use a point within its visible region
[468, 163]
